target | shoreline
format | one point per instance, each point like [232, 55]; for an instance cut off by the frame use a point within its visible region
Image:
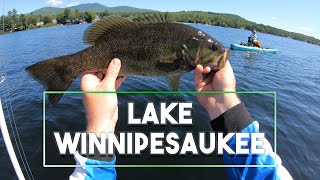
[57, 25]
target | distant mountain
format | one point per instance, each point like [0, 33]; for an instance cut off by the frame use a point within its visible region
[90, 7]
[48, 11]
[96, 7]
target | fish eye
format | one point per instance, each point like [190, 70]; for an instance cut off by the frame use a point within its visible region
[215, 47]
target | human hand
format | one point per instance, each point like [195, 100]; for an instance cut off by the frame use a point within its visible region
[102, 109]
[223, 80]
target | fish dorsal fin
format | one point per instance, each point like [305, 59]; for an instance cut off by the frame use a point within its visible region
[154, 18]
[109, 24]
[112, 23]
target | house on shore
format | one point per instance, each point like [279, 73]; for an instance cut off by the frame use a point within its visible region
[40, 23]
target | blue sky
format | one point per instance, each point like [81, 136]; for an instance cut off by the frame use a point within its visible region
[293, 15]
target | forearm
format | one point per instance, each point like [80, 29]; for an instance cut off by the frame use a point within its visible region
[237, 119]
[102, 116]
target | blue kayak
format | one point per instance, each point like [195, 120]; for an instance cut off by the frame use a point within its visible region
[253, 49]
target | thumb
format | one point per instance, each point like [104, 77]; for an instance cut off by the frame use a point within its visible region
[198, 76]
[109, 80]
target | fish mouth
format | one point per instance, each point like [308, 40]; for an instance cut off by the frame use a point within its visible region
[219, 61]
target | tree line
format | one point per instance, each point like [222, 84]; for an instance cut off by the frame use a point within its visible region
[234, 21]
[17, 22]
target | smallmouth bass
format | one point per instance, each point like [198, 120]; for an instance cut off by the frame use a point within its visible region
[147, 46]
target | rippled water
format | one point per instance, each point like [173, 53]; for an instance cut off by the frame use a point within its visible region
[293, 72]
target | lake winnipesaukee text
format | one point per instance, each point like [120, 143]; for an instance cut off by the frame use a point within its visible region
[159, 143]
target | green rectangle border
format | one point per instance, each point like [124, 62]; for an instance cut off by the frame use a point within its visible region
[162, 92]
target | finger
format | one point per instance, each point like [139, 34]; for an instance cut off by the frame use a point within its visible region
[227, 67]
[200, 86]
[111, 76]
[89, 81]
[119, 82]
[206, 70]
[198, 76]
[199, 89]
[206, 80]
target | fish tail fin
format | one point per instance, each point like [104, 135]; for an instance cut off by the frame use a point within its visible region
[54, 75]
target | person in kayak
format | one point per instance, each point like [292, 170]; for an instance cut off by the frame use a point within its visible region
[226, 111]
[253, 39]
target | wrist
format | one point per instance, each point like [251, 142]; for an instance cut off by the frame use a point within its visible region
[98, 127]
[98, 131]
[99, 121]
[224, 103]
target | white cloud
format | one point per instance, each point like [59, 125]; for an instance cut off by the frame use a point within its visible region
[306, 29]
[275, 18]
[72, 4]
[54, 2]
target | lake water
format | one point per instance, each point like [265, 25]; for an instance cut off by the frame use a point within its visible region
[293, 72]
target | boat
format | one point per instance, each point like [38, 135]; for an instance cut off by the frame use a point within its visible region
[253, 49]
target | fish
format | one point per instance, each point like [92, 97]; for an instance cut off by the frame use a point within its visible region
[150, 45]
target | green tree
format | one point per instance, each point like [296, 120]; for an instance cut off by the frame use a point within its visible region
[105, 14]
[77, 14]
[68, 15]
[47, 19]
[33, 19]
[89, 16]
[23, 21]
[2, 27]
[60, 19]
[9, 24]
[14, 19]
